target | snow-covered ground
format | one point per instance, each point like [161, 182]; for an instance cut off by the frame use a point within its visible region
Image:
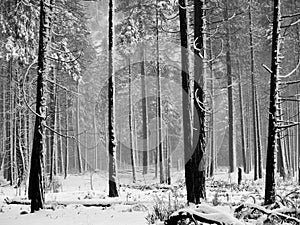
[133, 205]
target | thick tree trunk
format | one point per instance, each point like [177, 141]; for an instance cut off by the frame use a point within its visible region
[270, 191]
[199, 101]
[36, 179]
[186, 101]
[231, 143]
[113, 192]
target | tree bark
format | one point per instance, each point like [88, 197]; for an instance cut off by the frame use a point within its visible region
[199, 100]
[231, 143]
[113, 192]
[270, 189]
[252, 65]
[144, 111]
[186, 101]
[36, 178]
[78, 130]
[132, 151]
[242, 121]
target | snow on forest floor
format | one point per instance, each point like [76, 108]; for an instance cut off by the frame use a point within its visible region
[134, 203]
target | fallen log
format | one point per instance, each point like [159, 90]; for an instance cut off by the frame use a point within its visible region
[86, 202]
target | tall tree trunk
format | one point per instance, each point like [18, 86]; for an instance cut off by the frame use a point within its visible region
[7, 157]
[95, 139]
[52, 122]
[36, 178]
[158, 102]
[144, 112]
[212, 128]
[113, 192]
[186, 101]
[231, 143]
[259, 150]
[132, 151]
[199, 100]
[78, 130]
[270, 191]
[252, 65]
[242, 121]
[66, 168]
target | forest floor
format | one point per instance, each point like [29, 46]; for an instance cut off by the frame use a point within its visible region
[74, 202]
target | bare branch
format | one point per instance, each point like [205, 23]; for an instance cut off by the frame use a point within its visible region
[293, 71]
[267, 68]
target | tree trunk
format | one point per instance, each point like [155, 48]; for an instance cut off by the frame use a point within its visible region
[36, 178]
[132, 151]
[113, 192]
[95, 139]
[252, 65]
[78, 130]
[231, 143]
[66, 169]
[144, 112]
[259, 153]
[199, 101]
[212, 128]
[242, 121]
[158, 102]
[186, 101]
[270, 191]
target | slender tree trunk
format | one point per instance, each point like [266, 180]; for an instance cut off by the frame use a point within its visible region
[95, 139]
[78, 130]
[212, 132]
[259, 153]
[7, 158]
[36, 178]
[52, 123]
[158, 101]
[270, 191]
[144, 112]
[252, 65]
[113, 192]
[242, 121]
[186, 101]
[231, 145]
[66, 169]
[132, 151]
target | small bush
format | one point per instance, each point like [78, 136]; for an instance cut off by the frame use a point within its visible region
[162, 210]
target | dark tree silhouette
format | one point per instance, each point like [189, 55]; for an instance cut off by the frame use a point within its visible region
[36, 178]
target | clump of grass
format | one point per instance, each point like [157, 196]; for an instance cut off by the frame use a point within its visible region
[162, 209]
[54, 186]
